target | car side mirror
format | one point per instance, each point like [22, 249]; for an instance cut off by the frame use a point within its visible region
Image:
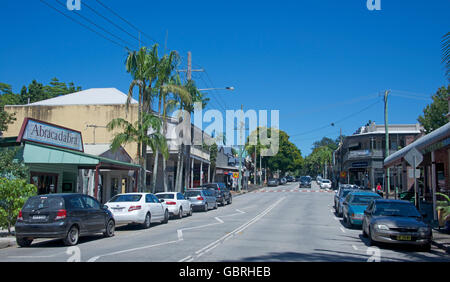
[161, 200]
[105, 207]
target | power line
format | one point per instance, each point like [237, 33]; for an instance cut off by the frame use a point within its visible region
[339, 121]
[83, 25]
[111, 22]
[93, 23]
[123, 19]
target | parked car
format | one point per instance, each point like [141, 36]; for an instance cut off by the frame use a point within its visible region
[290, 179]
[223, 194]
[202, 199]
[325, 184]
[62, 216]
[339, 197]
[305, 182]
[354, 205]
[395, 222]
[177, 204]
[272, 182]
[283, 181]
[138, 208]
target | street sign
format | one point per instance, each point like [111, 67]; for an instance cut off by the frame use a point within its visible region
[414, 157]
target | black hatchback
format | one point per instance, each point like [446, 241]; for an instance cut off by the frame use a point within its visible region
[62, 216]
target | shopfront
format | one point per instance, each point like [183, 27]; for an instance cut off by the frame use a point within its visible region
[57, 162]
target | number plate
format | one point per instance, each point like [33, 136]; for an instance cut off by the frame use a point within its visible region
[39, 217]
[404, 238]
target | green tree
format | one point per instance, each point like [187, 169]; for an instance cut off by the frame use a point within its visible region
[7, 97]
[11, 166]
[139, 133]
[434, 114]
[13, 195]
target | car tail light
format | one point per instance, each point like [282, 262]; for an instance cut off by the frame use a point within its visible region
[61, 214]
[171, 203]
[134, 208]
[200, 198]
[20, 217]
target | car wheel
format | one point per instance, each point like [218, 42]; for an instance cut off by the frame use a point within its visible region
[230, 200]
[166, 217]
[110, 228]
[216, 206]
[206, 207]
[190, 211]
[426, 247]
[364, 231]
[180, 213]
[223, 202]
[147, 221]
[72, 236]
[23, 242]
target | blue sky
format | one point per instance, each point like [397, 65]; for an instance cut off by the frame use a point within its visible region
[317, 62]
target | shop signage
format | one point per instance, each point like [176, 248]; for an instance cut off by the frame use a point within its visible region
[50, 134]
[360, 164]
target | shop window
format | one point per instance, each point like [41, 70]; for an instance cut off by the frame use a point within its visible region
[46, 183]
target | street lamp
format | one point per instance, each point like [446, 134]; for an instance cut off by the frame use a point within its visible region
[231, 88]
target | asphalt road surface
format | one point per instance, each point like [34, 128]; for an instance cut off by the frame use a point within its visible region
[273, 224]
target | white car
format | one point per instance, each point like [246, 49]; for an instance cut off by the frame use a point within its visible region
[177, 204]
[325, 183]
[141, 208]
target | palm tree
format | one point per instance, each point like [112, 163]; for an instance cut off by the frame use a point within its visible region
[169, 92]
[142, 65]
[139, 133]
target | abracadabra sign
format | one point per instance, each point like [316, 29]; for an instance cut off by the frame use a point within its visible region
[50, 134]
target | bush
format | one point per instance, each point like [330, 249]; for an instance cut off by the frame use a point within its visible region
[13, 195]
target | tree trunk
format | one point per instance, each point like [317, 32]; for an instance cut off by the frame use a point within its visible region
[155, 170]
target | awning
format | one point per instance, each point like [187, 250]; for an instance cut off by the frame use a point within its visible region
[421, 144]
[42, 154]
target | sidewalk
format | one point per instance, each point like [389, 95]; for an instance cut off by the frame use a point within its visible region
[7, 240]
[441, 240]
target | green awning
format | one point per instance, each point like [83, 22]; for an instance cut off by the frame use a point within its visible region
[42, 154]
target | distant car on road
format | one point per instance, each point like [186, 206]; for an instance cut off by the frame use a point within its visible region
[325, 184]
[395, 222]
[62, 216]
[305, 181]
[272, 182]
[177, 204]
[202, 199]
[223, 194]
[354, 205]
[138, 208]
[283, 181]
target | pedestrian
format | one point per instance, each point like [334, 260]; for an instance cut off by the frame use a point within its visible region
[379, 189]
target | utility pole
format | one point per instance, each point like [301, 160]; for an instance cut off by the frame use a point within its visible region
[254, 179]
[386, 93]
[240, 150]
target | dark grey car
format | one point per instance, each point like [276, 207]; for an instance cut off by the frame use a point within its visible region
[202, 199]
[395, 222]
[62, 216]
[223, 194]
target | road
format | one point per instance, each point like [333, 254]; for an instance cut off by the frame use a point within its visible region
[274, 224]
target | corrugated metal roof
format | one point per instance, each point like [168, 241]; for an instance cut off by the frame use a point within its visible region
[93, 96]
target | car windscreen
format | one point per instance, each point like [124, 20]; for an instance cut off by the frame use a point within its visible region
[126, 198]
[222, 185]
[325, 181]
[193, 193]
[344, 193]
[304, 179]
[396, 209]
[165, 196]
[363, 199]
[44, 203]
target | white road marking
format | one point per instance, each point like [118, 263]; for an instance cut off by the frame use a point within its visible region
[237, 230]
[342, 229]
